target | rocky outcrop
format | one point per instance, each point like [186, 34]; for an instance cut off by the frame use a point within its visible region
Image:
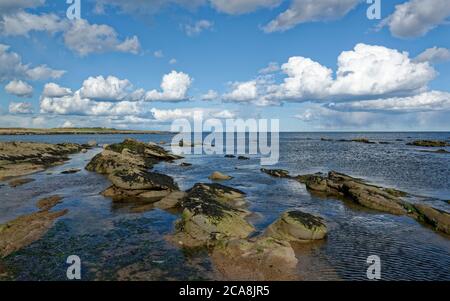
[213, 218]
[297, 226]
[277, 173]
[139, 184]
[26, 229]
[429, 143]
[210, 215]
[387, 200]
[127, 166]
[23, 158]
[439, 219]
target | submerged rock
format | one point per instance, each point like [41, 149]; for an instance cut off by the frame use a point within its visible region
[439, 151]
[23, 158]
[243, 158]
[70, 171]
[218, 176]
[26, 229]
[429, 143]
[49, 203]
[20, 182]
[297, 226]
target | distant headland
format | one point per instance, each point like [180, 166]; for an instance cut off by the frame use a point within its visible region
[74, 131]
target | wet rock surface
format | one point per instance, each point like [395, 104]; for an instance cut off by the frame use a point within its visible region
[23, 158]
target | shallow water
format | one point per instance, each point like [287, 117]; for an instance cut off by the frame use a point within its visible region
[127, 241]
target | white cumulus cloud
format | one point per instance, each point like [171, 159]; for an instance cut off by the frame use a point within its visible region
[174, 87]
[54, 90]
[110, 88]
[415, 18]
[19, 88]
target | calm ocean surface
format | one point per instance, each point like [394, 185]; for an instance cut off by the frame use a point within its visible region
[126, 241]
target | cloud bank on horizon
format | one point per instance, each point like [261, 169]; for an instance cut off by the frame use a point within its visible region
[227, 59]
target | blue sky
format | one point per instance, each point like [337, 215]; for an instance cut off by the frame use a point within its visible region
[107, 69]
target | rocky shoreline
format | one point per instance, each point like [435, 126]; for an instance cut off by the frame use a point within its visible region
[23, 158]
[210, 216]
[388, 200]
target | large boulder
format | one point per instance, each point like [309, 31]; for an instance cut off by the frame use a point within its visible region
[208, 218]
[147, 150]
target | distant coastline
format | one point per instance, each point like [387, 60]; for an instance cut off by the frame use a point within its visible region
[74, 131]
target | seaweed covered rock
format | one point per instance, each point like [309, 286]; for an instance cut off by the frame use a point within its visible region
[147, 150]
[23, 158]
[369, 196]
[429, 143]
[137, 179]
[127, 165]
[297, 226]
[208, 216]
[260, 259]
[378, 198]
